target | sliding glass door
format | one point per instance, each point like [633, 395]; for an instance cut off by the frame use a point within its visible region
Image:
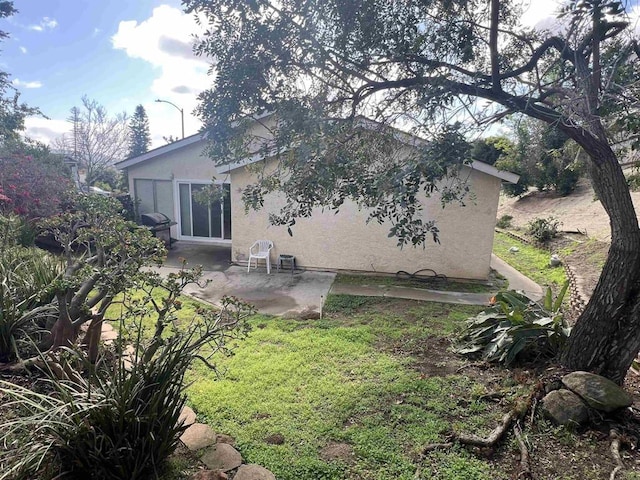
[211, 220]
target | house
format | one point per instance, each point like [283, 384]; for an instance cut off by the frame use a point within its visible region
[166, 179]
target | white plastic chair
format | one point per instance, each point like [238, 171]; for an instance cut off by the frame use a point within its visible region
[261, 249]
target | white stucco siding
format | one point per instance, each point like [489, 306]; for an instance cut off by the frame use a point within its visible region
[185, 163]
[344, 241]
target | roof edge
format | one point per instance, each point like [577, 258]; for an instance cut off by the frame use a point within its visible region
[494, 172]
[169, 147]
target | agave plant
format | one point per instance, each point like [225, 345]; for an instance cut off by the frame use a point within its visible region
[515, 327]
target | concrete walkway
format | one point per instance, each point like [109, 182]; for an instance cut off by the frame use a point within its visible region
[517, 281]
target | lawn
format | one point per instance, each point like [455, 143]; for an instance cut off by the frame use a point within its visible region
[529, 260]
[355, 395]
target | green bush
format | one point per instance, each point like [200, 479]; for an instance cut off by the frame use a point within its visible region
[504, 221]
[633, 181]
[516, 328]
[543, 229]
[115, 418]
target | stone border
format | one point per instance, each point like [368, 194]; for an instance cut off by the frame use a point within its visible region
[578, 298]
[217, 452]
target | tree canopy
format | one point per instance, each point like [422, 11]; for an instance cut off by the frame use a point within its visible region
[139, 136]
[97, 139]
[422, 66]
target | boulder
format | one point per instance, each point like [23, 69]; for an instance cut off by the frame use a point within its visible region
[210, 475]
[198, 436]
[187, 416]
[253, 472]
[598, 392]
[222, 456]
[565, 407]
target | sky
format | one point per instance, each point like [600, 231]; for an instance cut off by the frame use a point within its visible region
[121, 53]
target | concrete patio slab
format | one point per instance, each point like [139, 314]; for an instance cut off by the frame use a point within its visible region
[211, 257]
[275, 294]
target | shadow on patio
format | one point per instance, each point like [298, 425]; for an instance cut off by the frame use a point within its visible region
[213, 258]
[276, 294]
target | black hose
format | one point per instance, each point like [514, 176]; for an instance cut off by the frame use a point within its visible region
[421, 277]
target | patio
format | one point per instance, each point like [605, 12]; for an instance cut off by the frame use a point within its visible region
[276, 294]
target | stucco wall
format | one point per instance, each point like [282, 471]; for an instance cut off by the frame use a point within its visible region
[186, 163]
[345, 241]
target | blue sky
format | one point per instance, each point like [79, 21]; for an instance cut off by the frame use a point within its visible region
[121, 53]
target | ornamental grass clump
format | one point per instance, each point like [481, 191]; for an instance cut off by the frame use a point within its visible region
[26, 276]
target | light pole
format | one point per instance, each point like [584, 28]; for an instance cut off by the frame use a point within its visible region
[179, 109]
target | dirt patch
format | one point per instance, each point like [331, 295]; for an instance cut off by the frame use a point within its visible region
[341, 452]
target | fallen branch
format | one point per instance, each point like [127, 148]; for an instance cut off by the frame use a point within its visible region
[493, 437]
[615, 453]
[525, 468]
[436, 446]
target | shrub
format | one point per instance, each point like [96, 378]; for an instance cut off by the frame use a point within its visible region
[504, 221]
[516, 328]
[633, 181]
[543, 229]
[116, 418]
[32, 187]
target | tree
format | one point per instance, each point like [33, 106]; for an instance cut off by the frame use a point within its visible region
[12, 112]
[324, 64]
[97, 140]
[139, 136]
[490, 149]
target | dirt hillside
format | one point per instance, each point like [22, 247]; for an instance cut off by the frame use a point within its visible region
[579, 211]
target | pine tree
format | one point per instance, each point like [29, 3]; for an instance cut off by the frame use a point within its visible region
[139, 136]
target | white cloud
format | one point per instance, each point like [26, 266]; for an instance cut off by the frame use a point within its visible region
[20, 83]
[45, 24]
[23, 49]
[45, 130]
[164, 40]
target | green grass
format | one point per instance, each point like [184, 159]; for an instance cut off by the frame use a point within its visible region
[342, 380]
[531, 261]
[387, 280]
[186, 313]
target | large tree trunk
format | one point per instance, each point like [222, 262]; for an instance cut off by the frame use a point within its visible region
[606, 337]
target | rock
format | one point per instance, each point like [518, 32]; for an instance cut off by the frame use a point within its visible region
[554, 261]
[222, 456]
[565, 407]
[198, 436]
[187, 416]
[109, 336]
[514, 250]
[253, 472]
[222, 438]
[275, 439]
[210, 475]
[310, 312]
[600, 393]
